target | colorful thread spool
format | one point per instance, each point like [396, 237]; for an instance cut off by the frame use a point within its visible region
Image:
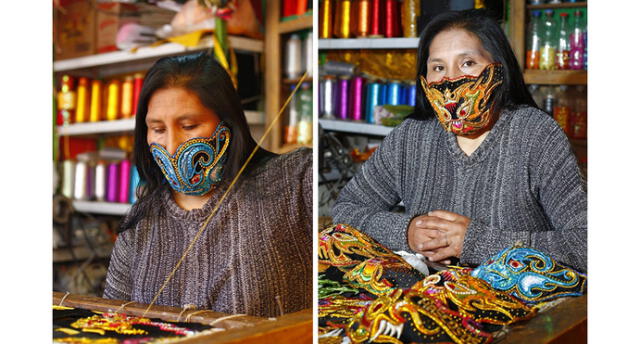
[357, 90]
[383, 94]
[391, 25]
[343, 98]
[80, 181]
[342, 23]
[137, 87]
[83, 100]
[133, 185]
[409, 17]
[393, 93]
[124, 182]
[329, 88]
[326, 19]
[411, 94]
[363, 10]
[293, 67]
[100, 181]
[95, 111]
[68, 174]
[112, 182]
[375, 27]
[126, 98]
[113, 105]
[373, 100]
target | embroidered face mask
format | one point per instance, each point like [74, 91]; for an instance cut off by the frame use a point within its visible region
[197, 164]
[463, 104]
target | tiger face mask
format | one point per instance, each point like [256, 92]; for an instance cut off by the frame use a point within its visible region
[463, 104]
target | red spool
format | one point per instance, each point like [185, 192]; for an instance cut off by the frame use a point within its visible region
[392, 19]
[376, 19]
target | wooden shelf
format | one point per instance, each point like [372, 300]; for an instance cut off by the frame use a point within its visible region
[127, 125]
[555, 77]
[346, 126]
[238, 43]
[369, 43]
[107, 208]
[554, 6]
[297, 24]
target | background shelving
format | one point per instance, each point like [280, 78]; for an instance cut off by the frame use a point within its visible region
[107, 208]
[369, 43]
[355, 127]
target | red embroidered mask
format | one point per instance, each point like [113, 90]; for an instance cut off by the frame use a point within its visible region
[463, 104]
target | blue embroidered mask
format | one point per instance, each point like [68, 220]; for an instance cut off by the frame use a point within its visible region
[197, 164]
[530, 275]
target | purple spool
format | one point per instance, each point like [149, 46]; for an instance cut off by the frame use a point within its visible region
[343, 98]
[357, 93]
[112, 182]
[124, 181]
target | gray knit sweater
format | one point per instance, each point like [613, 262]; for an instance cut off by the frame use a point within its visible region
[258, 246]
[522, 184]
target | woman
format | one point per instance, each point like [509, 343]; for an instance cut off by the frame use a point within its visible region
[477, 166]
[191, 139]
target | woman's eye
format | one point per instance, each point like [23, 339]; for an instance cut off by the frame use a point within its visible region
[189, 127]
[468, 63]
[157, 130]
[438, 68]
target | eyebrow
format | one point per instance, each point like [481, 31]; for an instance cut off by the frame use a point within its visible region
[464, 53]
[179, 119]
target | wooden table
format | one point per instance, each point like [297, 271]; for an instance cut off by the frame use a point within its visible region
[290, 328]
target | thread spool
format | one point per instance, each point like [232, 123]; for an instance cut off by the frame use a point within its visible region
[304, 126]
[343, 98]
[321, 98]
[68, 174]
[100, 183]
[290, 129]
[409, 17]
[411, 94]
[383, 94]
[83, 100]
[307, 53]
[80, 181]
[95, 110]
[133, 185]
[342, 24]
[112, 182]
[329, 86]
[338, 68]
[357, 92]
[373, 100]
[137, 87]
[326, 19]
[393, 93]
[124, 181]
[113, 95]
[375, 28]
[293, 67]
[126, 98]
[363, 12]
[391, 25]
[91, 180]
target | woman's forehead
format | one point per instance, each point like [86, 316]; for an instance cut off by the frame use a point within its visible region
[455, 42]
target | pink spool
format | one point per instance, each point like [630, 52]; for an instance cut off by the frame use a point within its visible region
[125, 180]
[355, 103]
[112, 182]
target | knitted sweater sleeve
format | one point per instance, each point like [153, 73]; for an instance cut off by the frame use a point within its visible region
[118, 284]
[365, 202]
[561, 191]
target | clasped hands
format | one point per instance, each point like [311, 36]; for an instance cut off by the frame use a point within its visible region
[438, 235]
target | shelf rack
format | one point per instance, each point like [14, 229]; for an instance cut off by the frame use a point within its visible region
[238, 43]
[355, 127]
[369, 43]
[106, 208]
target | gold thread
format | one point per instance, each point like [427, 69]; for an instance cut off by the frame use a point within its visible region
[64, 297]
[235, 179]
[122, 306]
[188, 317]
[226, 318]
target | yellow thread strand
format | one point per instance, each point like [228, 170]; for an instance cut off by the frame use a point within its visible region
[64, 297]
[122, 306]
[226, 318]
[235, 179]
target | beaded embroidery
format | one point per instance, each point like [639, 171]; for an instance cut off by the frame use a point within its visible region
[197, 164]
[463, 104]
[530, 275]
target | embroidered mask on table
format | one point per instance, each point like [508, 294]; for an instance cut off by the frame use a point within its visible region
[463, 104]
[530, 275]
[197, 164]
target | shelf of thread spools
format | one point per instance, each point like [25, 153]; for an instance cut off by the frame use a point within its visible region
[152, 53]
[556, 43]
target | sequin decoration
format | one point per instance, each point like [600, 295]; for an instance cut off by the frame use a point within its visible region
[412, 317]
[72, 325]
[197, 164]
[475, 298]
[530, 275]
[463, 104]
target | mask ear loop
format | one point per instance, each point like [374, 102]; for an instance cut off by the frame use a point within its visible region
[222, 198]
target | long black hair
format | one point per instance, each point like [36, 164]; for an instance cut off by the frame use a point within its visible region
[201, 74]
[511, 93]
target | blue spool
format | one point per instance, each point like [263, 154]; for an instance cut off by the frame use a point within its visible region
[383, 94]
[393, 93]
[373, 99]
[135, 180]
[411, 95]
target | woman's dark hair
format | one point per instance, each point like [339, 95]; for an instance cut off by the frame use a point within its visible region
[201, 74]
[511, 93]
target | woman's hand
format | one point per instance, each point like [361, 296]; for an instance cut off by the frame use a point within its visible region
[438, 235]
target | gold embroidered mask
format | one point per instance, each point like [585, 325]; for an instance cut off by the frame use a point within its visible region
[463, 104]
